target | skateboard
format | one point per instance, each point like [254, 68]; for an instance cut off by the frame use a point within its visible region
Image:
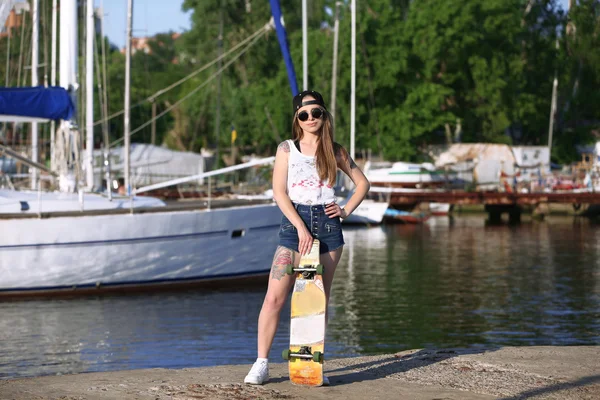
[307, 327]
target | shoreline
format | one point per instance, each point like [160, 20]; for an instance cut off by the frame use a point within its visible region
[537, 372]
[553, 210]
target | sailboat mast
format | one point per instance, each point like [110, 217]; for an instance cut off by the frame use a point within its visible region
[336, 35]
[353, 80]
[304, 46]
[218, 110]
[552, 110]
[283, 44]
[89, 96]
[34, 82]
[53, 82]
[68, 46]
[127, 143]
[67, 79]
[7, 74]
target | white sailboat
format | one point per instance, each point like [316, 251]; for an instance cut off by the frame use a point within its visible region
[75, 243]
[410, 175]
[116, 251]
[370, 211]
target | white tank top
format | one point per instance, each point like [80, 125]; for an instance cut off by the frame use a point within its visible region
[303, 183]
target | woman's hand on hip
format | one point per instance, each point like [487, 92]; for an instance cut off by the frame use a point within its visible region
[334, 210]
[305, 241]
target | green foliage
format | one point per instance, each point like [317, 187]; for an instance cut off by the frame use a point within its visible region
[11, 71]
[424, 68]
[579, 116]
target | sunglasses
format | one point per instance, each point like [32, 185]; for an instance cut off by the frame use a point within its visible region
[315, 112]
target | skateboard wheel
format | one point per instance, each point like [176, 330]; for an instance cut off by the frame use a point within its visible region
[318, 356]
[320, 269]
[286, 354]
[289, 269]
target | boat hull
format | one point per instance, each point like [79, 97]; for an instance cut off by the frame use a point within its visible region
[368, 212]
[408, 175]
[439, 209]
[407, 217]
[59, 253]
[412, 219]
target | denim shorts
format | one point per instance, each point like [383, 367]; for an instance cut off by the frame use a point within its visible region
[327, 230]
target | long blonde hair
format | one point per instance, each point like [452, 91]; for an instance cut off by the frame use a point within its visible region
[325, 155]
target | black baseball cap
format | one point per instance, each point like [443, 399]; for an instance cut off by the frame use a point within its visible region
[318, 99]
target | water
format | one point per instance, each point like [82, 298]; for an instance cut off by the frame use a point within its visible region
[448, 283]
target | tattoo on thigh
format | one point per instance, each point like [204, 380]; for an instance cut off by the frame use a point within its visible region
[283, 258]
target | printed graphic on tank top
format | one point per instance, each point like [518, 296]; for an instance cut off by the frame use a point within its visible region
[303, 183]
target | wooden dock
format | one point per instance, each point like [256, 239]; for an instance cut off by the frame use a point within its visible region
[496, 203]
[415, 197]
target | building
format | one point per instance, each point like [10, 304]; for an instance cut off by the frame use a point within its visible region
[143, 44]
[12, 13]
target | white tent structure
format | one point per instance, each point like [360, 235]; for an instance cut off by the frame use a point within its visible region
[485, 163]
[482, 163]
[151, 164]
[532, 158]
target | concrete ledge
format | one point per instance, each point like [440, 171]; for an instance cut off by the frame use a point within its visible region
[508, 373]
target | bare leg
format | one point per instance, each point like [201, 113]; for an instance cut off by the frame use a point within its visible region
[330, 261]
[279, 287]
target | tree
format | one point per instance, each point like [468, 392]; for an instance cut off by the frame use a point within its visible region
[579, 116]
[428, 72]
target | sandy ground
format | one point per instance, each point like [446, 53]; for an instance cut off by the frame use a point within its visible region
[505, 373]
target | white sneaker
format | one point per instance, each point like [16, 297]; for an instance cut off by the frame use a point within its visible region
[259, 373]
[325, 381]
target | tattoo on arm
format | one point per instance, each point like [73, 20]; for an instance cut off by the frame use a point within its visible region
[283, 258]
[343, 158]
[284, 146]
[352, 163]
[349, 161]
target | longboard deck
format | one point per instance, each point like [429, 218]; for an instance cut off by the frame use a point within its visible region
[307, 327]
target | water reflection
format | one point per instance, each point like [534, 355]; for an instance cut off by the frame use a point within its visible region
[459, 282]
[125, 332]
[450, 282]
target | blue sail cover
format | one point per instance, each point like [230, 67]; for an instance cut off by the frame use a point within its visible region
[283, 44]
[36, 102]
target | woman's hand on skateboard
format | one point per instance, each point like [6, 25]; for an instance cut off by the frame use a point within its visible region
[305, 241]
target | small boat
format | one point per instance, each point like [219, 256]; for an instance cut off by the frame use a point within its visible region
[409, 175]
[408, 217]
[439, 209]
[368, 212]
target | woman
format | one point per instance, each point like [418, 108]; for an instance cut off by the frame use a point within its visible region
[303, 178]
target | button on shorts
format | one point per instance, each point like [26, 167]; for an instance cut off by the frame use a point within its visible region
[327, 230]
